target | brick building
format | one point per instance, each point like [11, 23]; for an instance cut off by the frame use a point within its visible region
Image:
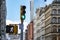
[29, 32]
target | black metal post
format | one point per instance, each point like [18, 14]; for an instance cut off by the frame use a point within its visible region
[21, 31]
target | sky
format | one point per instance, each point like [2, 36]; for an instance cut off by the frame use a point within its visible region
[13, 10]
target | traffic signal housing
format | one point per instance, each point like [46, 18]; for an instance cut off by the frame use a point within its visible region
[15, 29]
[22, 13]
[9, 29]
[12, 29]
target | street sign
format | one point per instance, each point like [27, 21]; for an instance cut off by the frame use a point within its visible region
[20, 26]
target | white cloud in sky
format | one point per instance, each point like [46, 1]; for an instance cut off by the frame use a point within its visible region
[16, 22]
[11, 22]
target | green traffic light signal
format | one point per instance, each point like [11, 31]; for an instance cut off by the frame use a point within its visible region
[22, 13]
[23, 17]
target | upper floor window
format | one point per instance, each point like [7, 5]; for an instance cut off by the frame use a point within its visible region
[54, 20]
[58, 11]
[38, 24]
[58, 19]
[0, 20]
[38, 38]
[59, 28]
[38, 30]
[54, 11]
[54, 29]
[58, 0]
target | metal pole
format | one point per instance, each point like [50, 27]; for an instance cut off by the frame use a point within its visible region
[21, 31]
[21, 26]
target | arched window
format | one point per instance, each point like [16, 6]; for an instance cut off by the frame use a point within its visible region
[59, 28]
[58, 11]
[54, 20]
[58, 19]
[54, 11]
[54, 28]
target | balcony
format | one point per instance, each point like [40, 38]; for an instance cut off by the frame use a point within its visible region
[47, 14]
[55, 22]
[47, 22]
[47, 30]
[54, 30]
[55, 14]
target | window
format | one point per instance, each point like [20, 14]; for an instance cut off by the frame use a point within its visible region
[58, 19]
[0, 20]
[38, 38]
[54, 11]
[0, 33]
[38, 30]
[58, 11]
[54, 29]
[59, 28]
[54, 38]
[58, 0]
[38, 24]
[54, 20]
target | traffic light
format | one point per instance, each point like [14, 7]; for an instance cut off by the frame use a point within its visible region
[12, 29]
[15, 29]
[9, 29]
[22, 13]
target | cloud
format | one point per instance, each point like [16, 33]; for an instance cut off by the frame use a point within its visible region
[11, 22]
[16, 22]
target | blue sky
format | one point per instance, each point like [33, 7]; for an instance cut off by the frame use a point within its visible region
[13, 9]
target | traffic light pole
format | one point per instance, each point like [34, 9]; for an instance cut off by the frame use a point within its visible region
[22, 17]
[21, 34]
[22, 30]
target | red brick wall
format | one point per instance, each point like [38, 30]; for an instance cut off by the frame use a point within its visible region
[30, 31]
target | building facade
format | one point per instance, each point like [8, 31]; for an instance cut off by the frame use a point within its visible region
[47, 22]
[39, 24]
[29, 32]
[2, 19]
[52, 21]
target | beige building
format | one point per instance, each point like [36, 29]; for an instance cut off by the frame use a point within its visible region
[39, 24]
[50, 17]
[52, 21]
